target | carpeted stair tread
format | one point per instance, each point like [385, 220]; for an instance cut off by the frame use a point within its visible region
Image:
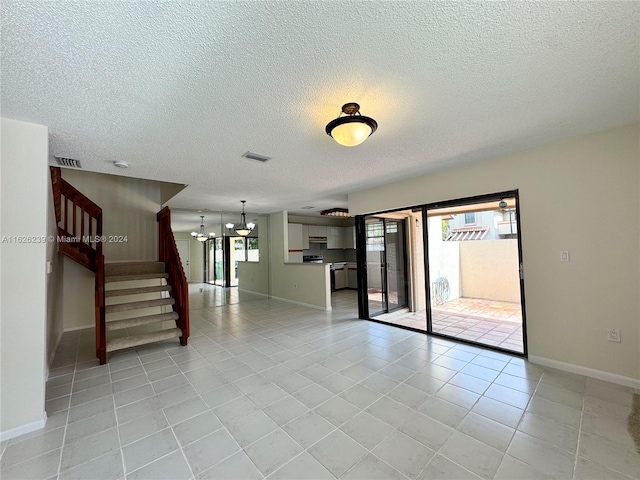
[135, 340]
[123, 307]
[137, 321]
[133, 268]
[141, 276]
[137, 291]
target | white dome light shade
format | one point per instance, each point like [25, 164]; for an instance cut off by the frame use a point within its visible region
[353, 129]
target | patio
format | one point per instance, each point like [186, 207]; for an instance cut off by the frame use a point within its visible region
[491, 322]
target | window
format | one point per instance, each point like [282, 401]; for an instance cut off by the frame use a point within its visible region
[375, 237]
[246, 249]
[469, 217]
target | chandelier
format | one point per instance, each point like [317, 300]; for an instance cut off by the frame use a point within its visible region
[245, 228]
[201, 236]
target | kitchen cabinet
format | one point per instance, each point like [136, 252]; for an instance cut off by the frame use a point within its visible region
[340, 278]
[295, 236]
[317, 230]
[334, 238]
[352, 277]
[305, 237]
[349, 237]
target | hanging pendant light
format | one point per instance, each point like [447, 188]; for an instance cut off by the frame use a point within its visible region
[245, 228]
[201, 236]
[353, 129]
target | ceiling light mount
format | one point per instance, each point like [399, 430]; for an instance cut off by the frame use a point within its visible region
[352, 129]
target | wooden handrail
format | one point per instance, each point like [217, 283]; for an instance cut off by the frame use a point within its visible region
[82, 242]
[168, 253]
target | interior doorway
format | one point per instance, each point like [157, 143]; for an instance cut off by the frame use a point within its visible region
[184, 252]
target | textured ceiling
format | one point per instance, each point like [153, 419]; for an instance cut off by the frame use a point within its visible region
[181, 89]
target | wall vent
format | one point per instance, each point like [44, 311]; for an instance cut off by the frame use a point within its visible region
[68, 162]
[256, 156]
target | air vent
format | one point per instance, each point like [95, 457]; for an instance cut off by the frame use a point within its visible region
[307, 208]
[68, 162]
[256, 156]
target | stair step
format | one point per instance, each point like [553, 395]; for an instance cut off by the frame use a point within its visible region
[137, 291]
[137, 321]
[136, 340]
[123, 307]
[126, 278]
[133, 268]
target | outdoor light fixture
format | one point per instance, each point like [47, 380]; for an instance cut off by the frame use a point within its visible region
[201, 236]
[353, 129]
[244, 229]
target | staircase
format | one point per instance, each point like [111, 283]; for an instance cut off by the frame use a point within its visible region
[139, 306]
[148, 301]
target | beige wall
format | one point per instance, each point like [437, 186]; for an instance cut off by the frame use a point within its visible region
[580, 195]
[129, 207]
[489, 269]
[309, 283]
[196, 257]
[254, 276]
[23, 284]
[55, 324]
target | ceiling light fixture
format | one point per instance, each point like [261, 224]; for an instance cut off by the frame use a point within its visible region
[335, 212]
[244, 229]
[353, 129]
[201, 236]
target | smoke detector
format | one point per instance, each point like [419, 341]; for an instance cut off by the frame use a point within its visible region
[121, 164]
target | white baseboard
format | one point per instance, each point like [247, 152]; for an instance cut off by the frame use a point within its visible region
[587, 372]
[317, 307]
[21, 430]
[254, 293]
[84, 327]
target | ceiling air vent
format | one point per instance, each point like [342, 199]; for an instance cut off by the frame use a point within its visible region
[68, 162]
[256, 156]
[308, 207]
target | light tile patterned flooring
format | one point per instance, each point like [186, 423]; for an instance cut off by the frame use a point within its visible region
[268, 389]
[490, 322]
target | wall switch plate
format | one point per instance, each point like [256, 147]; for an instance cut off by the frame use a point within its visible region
[49, 267]
[564, 255]
[613, 335]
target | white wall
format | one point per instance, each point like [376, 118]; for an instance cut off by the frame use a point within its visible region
[580, 195]
[23, 308]
[307, 283]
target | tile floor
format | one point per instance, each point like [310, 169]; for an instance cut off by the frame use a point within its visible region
[493, 323]
[268, 389]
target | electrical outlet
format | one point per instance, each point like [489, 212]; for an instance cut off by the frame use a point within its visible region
[564, 255]
[613, 335]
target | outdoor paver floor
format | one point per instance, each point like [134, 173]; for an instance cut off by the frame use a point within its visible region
[490, 322]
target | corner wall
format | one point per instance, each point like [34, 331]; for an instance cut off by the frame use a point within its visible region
[581, 195]
[23, 283]
[254, 276]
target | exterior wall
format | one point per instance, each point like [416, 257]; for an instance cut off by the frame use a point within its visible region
[594, 180]
[23, 278]
[444, 259]
[489, 269]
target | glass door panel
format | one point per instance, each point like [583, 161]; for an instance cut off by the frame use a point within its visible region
[396, 273]
[375, 258]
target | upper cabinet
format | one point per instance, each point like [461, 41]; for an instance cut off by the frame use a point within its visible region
[349, 237]
[335, 238]
[317, 230]
[295, 237]
[305, 237]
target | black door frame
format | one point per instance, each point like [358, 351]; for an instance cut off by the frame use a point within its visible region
[363, 306]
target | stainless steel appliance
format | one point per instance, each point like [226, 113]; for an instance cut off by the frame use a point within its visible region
[312, 259]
